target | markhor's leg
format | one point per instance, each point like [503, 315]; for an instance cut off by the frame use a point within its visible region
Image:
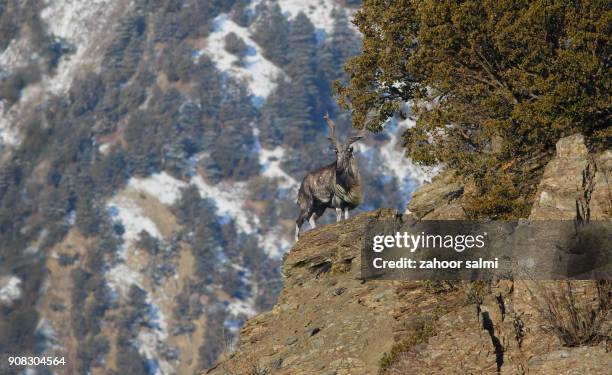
[312, 222]
[346, 215]
[298, 223]
[338, 215]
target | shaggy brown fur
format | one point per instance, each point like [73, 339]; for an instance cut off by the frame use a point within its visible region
[337, 185]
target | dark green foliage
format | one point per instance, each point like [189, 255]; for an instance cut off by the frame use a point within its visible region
[148, 242]
[302, 93]
[11, 86]
[188, 305]
[494, 84]
[175, 20]
[342, 44]
[85, 94]
[16, 328]
[291, 113]
[302, 54]
[210, 243]
[129, 361]
[110, 172]
[271, 30]
[238, 162]
[66, 259]
[264, 274]
[178, 65]
[124, 54]
[92, 351]
[215, 337]
[241, 14]
[200, 214]
[9, 23]
[231, 152]
[235, 45]
[273, 119]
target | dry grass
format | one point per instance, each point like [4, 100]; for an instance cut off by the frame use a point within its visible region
[244, 364]
[574, 322]
[440, 286]
[476, 291]
[390, 361]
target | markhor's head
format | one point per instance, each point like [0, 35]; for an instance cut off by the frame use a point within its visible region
[344, 151]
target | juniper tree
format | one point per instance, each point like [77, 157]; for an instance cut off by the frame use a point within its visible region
[302, 93]
[271, 29]
[494, 85]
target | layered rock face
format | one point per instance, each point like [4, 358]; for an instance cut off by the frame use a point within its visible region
[328, 321]
[575, 185]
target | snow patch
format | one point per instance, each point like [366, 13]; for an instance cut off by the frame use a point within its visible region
[229, 199]
[270, 163]
[8, 136]
[122, 277]
[132, 218]
[162, 186]
[395, 160]
[274, 243]
[104, 148]
[259, 73]
[10, 289]
[239, 307]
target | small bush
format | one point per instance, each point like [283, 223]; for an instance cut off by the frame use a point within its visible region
[235, 45]
[419, 336]
[476, 291]
[66, 259]
[575, 323]
[12, 86]
[440, 286]
[498, 197]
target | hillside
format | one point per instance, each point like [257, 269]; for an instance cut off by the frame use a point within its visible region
[150, 155]
[328, 321]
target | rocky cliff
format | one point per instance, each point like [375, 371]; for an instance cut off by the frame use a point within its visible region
[329, 321]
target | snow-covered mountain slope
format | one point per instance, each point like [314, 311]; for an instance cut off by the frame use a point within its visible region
[80, 25]
[155, 169]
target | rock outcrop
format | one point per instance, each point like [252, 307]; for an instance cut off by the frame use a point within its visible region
[438, 200]
[575, 185]
[329, 321]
